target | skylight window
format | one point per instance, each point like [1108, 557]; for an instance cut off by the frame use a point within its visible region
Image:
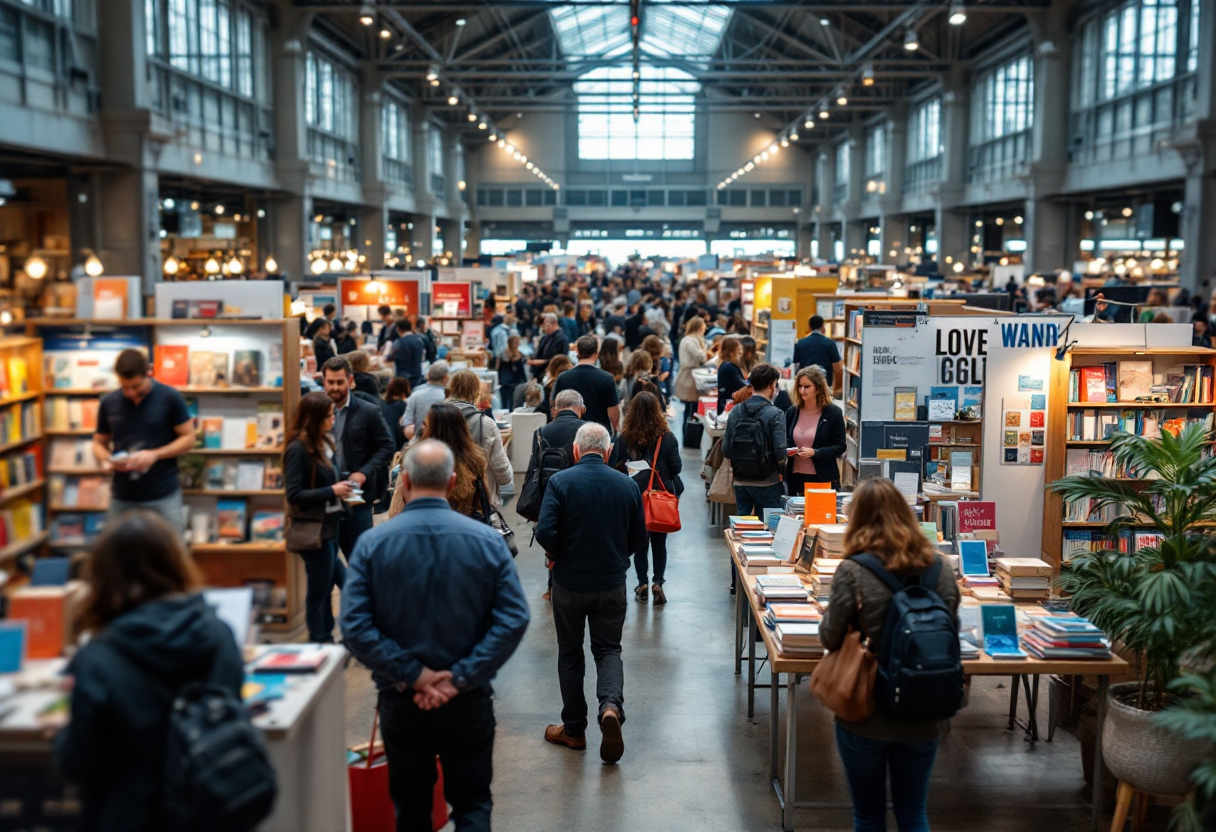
[667, 31]
[591, 30]
[665, 128]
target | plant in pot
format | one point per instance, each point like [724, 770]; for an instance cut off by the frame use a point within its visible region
[1156, 599]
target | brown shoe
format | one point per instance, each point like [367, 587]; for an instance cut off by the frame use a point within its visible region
[658, 595]
[557, 735]
[612, 744]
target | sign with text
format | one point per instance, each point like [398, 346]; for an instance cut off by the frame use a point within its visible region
[446, 297]
[976, 515]
[399, 294]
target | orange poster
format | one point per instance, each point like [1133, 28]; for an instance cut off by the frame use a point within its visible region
[399, 294]
[110, 298]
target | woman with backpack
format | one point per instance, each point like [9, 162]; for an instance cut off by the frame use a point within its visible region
[445, 422]
[152, 633]
[464, 391]
[815, 427]
[314, 493]
[645, 436]
[881, 524]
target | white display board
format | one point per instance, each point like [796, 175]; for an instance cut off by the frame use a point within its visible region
[261, 299]
[1008, 355]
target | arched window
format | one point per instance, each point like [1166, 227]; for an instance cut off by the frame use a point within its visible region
[665, 126]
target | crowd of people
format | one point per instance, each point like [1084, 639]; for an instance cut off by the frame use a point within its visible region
[431, 602]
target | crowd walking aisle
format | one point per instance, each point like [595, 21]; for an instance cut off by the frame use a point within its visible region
[693, 759]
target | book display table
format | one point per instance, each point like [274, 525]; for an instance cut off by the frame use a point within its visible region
[305, 733]
[748, 613]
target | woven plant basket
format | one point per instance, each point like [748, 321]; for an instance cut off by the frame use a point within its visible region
[1142, 754]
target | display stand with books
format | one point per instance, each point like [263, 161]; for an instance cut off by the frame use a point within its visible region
[22, 472]
[1102, 390]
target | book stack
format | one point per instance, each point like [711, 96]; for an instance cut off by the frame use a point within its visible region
[72, 529]
[758, 558]
[829, 540]
[787, 589]
[80, 492]
[19, 422]
[20, 520]
[795, 506]
[72, 414]
[73, 453]
[799, 639]
[1066, 637]
[975, 581]
[786, 613]
[1024, 579]
[21, 468]
[822, 572]
[746, 523]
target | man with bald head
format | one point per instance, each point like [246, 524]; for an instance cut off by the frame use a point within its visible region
[433, 607]
[590, 520]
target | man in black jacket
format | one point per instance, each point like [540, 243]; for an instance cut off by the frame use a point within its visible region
[590, 522]
[554, 342]
[363, 450]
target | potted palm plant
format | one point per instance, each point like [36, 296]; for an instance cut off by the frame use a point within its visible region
[1193, 716]
[1156, 600]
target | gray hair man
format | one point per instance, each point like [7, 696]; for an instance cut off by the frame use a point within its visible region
[438, 615]
[420, 401]
[553, 342]
[590, 521]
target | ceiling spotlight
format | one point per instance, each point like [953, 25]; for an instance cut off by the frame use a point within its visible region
[261, 213]
[385, 34]
[757, 115]
[194, 205]
[481, 125]
[501, 143]
[809, 124]
[493, 137]
[453, 100]
[472, 116]
[367, 15]
[219, 209]
[432, 73]
[1017, 220]
[212, 266]
[824, 114]
[785, 142]
[1089, 215]
[636, 75]
[235, 266]
[168, 204]
[911, 43]
[92, 266]
[867, 75]
[823, 21]
[842, 99]
[773, 150]
[434, 81]
[1127, 212]
[460, 21]
[794, 136]
[317, 266]
[170, 268]
[958, 14]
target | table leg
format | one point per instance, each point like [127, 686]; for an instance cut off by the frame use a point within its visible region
[1032, 702]
[751, 659]
[1013, 703]
[773, 698]
[1095, 821]
[791, 750]
[739, 628]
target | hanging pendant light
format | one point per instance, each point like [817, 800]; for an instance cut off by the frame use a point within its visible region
[35, 268]
[235, 266]
[272, 265]
[212, 266]
[93, 267]
[172, 266]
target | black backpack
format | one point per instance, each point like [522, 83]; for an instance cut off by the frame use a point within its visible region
[751, 446]
[218, 776]
[549, 459]
[920, 665]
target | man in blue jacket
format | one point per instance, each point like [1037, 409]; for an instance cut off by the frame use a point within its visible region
[590, 520]
[433, 607]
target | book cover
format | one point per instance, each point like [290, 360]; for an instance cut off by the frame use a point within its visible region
[274, 366]
[219, 366]
[213, 432]
[181, 309]
[1093, 384]
[109, 298]
[270, 425]
[943, 403]
[973, 397]
[202, 372]
[172, 365]
[960, 470]
[230, 519]
[247, 368]
[266, 526]
[205, 308]
[216, 475]
[1135, 379]
[905, 404]
[249, 474]
[973, 556]
[18, 376]
[291, 661]
[976, 515]
[999, 625]
[820, 506]
[12, 645]
[273, 478]
[236, 434]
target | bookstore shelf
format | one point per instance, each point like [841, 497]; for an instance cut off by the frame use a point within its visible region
[1138, 405]
[10, 446]
[216, 492]
[78, 391]
[21, 490]
[67, 432]
[80, 471]
[23, 397]
[234, 390]
[20, 547]
[237, 548]
[55, 507]
[237, 451]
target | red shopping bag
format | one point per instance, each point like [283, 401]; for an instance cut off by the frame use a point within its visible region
[371, 805]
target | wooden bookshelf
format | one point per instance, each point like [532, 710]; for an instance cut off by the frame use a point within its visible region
[1059, 440]
[17, 352]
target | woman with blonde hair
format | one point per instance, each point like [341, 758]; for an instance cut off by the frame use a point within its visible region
[465, 392]
[882, 524]
[814, 426]
[445, 422]
[693, 355]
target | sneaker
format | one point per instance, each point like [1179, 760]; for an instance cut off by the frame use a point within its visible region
[557, 735]
[612, 744]
[659, 596]
[639, 594]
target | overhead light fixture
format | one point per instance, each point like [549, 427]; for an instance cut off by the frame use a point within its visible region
[794, 136]
[432, 73]
[317, 266]
[773, 150]
[481, 125]
[493, 137]
[785, 142]
[824, 114]
[460, 21]
[842, 100]
[212, 266]
[92, 266]
[171, 266]
[472, 116]
[502, 143]
[261, 213]
[434, 81]
[958, 14]
[867, 75]
[367, 15]
[219, 209]
[823, 21]
[453, 100]
[35, 268]
[235, 266]
[335, 265]
[385, 34]
[809, 124]
[168, 204]
[272, 265]
[911, 42]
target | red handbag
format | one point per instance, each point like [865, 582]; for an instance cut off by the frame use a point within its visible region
[371, 805]
[662, 508]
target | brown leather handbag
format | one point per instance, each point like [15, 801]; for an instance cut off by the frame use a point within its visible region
[844, 680]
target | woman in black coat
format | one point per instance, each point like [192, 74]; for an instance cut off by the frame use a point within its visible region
[152, 634]
[313, 492]
[815, 425]
[645, 429]
[730, 376]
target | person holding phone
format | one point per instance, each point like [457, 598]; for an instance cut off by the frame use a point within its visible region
[814, 434]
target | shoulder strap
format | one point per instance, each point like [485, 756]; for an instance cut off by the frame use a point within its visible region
[654, 467]
[928, 578]
[876, 566]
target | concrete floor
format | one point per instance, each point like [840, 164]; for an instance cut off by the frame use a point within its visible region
[693, 761]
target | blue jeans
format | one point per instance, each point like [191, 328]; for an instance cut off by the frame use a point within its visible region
[867, 762]
[352, 523]
[170, 508]
[325, 570]
[754, 499]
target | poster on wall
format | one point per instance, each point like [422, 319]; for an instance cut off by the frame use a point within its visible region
[451, 300]
[783, 337]
[399, 294]
[1023, 429]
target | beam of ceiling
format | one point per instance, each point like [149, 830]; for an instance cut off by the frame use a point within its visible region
[822, 6]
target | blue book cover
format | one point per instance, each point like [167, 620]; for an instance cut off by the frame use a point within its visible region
[972, 397]
[999, 624]
[942, 403]
[12, 646]
[973, 554]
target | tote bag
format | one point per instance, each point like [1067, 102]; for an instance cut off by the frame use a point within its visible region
[371, 804]
[844, 680]
[662, 508]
